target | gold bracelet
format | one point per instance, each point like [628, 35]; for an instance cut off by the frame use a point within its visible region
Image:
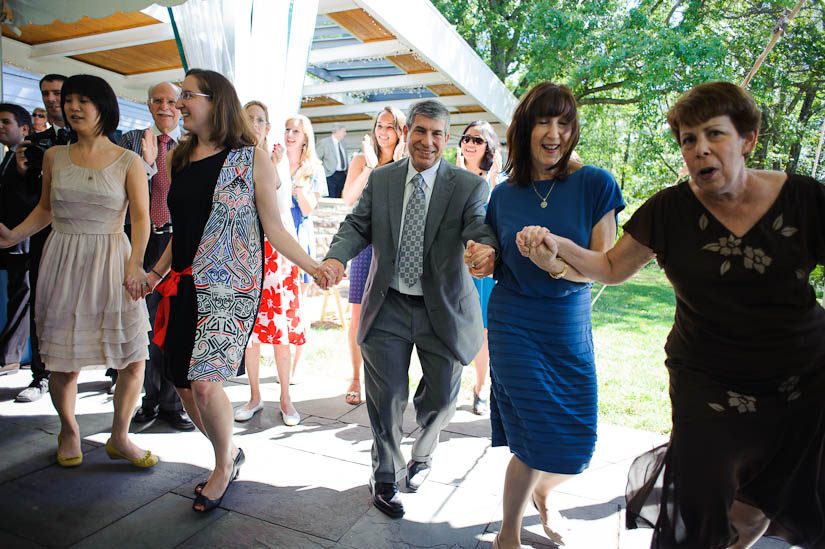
[561, 273]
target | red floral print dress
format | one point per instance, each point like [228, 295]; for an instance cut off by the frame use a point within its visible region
[279, 319]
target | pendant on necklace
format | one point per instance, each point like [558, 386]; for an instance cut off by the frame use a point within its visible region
[543, 204]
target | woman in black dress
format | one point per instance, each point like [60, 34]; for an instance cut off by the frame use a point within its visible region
[222, 194]
[746, 354]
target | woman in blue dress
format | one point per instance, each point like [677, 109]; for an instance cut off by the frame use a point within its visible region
[478, 152]
[543, 392]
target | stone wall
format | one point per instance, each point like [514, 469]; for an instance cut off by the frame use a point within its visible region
[326, 217]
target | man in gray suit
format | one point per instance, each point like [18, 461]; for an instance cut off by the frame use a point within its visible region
[333, 154]
[418, 214]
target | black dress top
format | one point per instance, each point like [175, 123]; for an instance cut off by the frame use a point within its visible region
[190, 203]
[744, 307]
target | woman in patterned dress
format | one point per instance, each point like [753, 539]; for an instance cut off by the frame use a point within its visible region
[279, 319]
[384, 144]
[223, 192]
[746, 355]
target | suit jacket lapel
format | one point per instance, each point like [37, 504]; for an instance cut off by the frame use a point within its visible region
[442, 190]
[395, 199]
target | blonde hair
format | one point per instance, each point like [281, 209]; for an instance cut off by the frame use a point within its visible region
[309, 135]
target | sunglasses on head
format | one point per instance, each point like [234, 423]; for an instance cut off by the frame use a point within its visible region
[474, 138]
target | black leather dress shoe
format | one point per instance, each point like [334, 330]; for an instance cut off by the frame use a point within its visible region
[386, 499]
[417, 473]
[177, 420]
[145, 415]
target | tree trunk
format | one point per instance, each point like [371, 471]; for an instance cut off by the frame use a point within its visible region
[805, 112]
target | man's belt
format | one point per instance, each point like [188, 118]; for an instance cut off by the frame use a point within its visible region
[163, 229]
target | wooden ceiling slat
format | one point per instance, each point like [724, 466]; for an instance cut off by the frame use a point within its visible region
[410, 64]
[319, 101]
[339, 118]
[361, 25]
[158, 56]
[85, 26]
[445, 89]
[470, 108]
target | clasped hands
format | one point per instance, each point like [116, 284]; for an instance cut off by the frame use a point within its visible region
[480, 259]
[138, 283]
[329, 273]
[538, 245]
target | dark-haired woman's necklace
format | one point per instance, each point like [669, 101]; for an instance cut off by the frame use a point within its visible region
[543, 198]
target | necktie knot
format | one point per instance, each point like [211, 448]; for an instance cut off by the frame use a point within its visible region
[164, 139]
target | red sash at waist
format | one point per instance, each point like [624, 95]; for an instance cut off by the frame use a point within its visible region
[167, 289]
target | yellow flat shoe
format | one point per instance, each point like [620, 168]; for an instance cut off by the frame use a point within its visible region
[73, 461]
[148, 460]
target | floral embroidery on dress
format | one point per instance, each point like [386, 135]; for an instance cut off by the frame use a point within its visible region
[742, 403]
[784, 231]
[752, 258]
[789, 386]
[756, 259]
[727, 246]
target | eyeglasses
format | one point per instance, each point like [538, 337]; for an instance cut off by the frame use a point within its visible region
[159, 102]
[38, 115]
[186, 95]
[257, 121]
[474, 138]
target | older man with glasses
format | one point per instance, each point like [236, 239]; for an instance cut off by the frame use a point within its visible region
[154, 146]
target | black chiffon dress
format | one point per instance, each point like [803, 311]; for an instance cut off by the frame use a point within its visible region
[746, 358]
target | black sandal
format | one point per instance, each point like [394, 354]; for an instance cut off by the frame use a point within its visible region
[209, 504]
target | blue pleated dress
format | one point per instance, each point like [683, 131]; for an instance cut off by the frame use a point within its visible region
[543, 402]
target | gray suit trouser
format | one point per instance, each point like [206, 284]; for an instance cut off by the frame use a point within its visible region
[387, 348]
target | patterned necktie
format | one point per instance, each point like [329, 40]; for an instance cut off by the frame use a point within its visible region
[411, 261]
[159, 211]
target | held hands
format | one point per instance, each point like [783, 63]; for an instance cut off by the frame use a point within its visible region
[329, 273]
[135, 281]
[150, 147]
[480, 259]
[400, 149]
[538, 245]
[369, 152]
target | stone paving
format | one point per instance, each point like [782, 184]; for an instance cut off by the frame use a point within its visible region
[303, 486]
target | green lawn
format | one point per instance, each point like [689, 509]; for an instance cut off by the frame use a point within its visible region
[630, 326]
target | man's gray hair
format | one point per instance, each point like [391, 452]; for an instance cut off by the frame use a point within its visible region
[154, 86]
[431, 109]
[338, 126]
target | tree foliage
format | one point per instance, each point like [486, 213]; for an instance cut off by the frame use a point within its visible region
[628, 60]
